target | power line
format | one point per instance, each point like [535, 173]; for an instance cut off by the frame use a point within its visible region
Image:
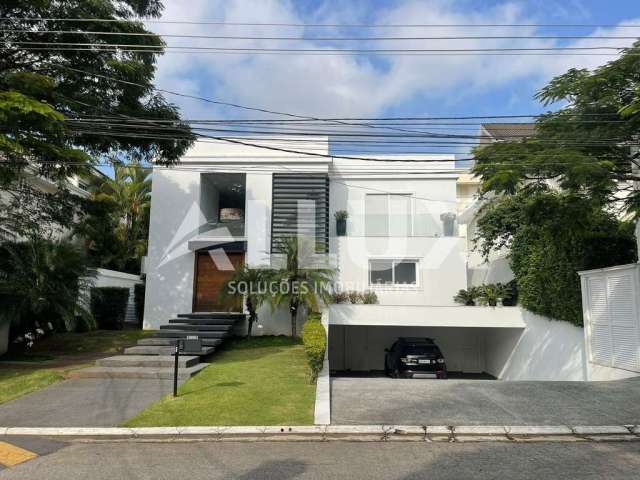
[328, 52]
[325, 39]
[319, 50]
[320, 25]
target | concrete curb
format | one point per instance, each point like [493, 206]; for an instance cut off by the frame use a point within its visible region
[358, 433]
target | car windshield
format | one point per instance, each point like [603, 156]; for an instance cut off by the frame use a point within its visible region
[420, 350]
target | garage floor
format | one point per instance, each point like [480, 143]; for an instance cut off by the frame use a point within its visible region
[380, 400]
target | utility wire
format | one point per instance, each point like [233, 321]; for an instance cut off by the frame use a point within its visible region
[320, 25]
[325, 39]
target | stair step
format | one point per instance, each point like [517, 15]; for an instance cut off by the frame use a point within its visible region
[204, 321]
[163, 350]
[202, 328]
[183, 334]
[148, 361]
[138, 372]
[233, 315]
[164, 342]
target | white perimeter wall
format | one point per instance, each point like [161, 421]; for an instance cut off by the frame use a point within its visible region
[545, 350]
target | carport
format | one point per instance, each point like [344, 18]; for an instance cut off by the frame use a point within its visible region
[473, 340]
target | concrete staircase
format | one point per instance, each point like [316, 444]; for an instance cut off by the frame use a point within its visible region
[153, 357]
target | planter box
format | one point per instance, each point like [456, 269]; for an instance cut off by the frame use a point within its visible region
[341, 228]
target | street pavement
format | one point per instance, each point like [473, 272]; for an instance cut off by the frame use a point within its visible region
[90, 402]
[383, 400]
[327, 460]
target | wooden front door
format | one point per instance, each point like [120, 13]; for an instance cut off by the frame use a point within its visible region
[209, 282]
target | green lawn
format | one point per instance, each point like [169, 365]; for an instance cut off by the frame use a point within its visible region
[37, 370]
[262, 381]
[96, 341]
[17, 382]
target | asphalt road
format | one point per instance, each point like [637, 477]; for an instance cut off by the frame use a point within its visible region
[306, 460]
[383, 400]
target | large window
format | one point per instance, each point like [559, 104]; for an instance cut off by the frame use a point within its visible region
[393, 272]
[388, 215]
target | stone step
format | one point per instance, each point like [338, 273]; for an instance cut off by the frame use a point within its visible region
[138, 372]
[163, 350]
[232, 315]
[203, 321]
[183, 334]
[203, 328]
[155, 342]
[148, 361]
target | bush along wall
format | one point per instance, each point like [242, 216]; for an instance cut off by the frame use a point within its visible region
[109, 307]
[314, 338]
[138, 295]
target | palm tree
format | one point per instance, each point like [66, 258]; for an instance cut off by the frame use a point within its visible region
[44, 282]
[249, 283]
[129, 195]
[297, 286]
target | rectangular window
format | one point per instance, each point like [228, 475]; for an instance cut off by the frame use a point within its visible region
[388, 215]
[393, 272]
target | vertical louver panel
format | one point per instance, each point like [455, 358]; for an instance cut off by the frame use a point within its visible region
[300, 206]
[600, 330]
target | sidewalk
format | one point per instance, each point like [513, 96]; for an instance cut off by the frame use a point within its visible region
[83, 402]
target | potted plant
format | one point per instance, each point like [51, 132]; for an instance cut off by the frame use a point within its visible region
[341, 222]
[493, 294]
[467, 297]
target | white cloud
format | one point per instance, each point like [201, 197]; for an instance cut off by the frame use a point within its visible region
[352, 85]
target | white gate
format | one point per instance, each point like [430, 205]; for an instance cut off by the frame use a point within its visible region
[610, 298]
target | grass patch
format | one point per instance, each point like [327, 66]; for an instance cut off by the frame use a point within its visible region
[17, 382]
[96, 341]
[262, 381]
[34, 375]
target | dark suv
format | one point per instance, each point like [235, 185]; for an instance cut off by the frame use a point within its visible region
[414, 358]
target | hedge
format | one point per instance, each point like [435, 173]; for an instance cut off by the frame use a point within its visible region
[138, 296]
[109, 306]
[314, 338]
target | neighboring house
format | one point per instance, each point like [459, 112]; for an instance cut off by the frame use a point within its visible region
[227, 204]
[496, 268]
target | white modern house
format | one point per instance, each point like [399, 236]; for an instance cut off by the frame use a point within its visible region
[226, 204]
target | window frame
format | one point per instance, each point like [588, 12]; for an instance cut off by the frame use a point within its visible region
[388, 196]
[394, 261]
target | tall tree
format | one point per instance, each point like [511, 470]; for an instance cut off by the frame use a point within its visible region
[55, 95]
[588, 146]
[116, 226]
[559, 200]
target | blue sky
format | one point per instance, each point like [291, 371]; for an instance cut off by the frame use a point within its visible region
[355, 86]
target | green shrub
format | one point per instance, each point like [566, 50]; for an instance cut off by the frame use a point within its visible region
[354, 296]
[109, 306]
[340, 297]
[369, 297]
[138, 295]
[314, 338]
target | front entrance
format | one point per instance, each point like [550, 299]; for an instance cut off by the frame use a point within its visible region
[209, 281]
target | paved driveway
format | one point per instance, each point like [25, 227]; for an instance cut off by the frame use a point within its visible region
[382, 400]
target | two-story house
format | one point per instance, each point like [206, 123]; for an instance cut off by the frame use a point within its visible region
[227, 204]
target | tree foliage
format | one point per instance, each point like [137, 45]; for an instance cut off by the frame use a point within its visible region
[552, 236]
[556, 199]
[52, 99]
[116, 222]
[589, 146]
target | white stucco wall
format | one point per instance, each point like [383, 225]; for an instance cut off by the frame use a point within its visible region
[545, 350]
[175, 216]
